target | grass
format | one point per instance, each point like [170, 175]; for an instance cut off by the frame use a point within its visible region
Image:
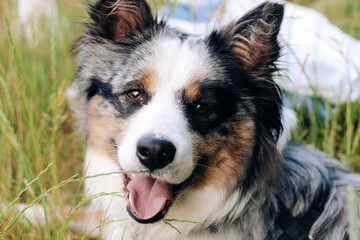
[41, 154]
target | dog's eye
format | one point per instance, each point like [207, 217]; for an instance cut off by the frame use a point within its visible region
[201, 108]
[135, 95]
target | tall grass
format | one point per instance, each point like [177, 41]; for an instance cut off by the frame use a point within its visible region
[40, 151]
[35, 123]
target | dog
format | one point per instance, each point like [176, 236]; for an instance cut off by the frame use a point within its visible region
[183, 132]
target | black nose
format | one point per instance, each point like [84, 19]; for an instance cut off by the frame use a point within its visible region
[155, 153]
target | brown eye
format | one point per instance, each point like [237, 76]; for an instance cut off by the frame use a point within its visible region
[135, 95]
[202, 108]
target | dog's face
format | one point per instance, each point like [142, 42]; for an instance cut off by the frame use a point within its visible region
[191, 111]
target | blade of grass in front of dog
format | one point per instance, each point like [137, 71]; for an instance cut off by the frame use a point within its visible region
[14, 219]
[123, 235]
[24, 190]
[353, 228]
[104, 222]
[86, 236]
[167, 222]
[172, 226]
[72, 179]
[76, 209]
[182, 221]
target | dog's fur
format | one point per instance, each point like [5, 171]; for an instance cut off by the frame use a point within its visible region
[215, 100]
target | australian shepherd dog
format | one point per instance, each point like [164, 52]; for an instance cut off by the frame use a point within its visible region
[183, 131]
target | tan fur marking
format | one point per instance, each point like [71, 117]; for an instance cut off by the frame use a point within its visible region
[102, 126]
[229, 159]
[193, 91]
[148, 80]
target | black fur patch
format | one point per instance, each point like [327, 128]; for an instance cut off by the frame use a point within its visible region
[98, 87]
[221, 102]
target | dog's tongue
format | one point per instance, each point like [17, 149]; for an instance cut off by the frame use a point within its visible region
[148, 196]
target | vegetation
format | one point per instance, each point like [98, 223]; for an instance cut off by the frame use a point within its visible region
[41, 150]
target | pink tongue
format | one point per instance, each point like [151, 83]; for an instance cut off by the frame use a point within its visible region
[148, 196]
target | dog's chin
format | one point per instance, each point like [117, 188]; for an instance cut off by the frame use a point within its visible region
[148, 199]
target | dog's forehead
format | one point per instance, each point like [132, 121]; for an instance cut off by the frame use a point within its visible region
[174, 62]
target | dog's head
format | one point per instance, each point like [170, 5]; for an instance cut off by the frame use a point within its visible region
[193, 111]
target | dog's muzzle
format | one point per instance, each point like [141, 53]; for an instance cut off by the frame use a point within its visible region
[149, 198]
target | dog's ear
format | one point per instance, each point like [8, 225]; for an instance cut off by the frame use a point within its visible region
[252, 43]
[117, 19]
[253, 39]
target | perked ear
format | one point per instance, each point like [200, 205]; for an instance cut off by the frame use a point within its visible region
[117, 19]
[252, 43]
[253, 38]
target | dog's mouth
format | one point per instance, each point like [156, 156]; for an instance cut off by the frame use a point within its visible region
[148, 198]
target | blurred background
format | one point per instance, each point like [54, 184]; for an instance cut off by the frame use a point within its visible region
[41, 151]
